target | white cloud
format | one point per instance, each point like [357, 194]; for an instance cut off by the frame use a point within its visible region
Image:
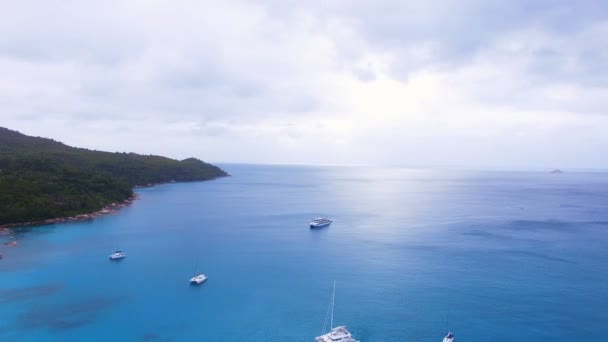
[468, 83]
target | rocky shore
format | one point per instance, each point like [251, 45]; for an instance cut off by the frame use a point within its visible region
[108, 209]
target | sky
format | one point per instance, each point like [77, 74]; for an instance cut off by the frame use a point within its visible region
[454, 83]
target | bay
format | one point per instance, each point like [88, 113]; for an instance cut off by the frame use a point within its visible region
[510, 256]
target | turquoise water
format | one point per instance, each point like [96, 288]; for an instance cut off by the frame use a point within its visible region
[510, 257]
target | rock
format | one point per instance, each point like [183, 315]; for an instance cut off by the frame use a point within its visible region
[109, 209]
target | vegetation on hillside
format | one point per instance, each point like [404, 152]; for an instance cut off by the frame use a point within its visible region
[42, 179]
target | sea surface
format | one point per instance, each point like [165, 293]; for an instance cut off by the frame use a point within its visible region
[509, 256]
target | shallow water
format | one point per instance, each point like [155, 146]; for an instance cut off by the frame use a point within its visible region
[510, 256]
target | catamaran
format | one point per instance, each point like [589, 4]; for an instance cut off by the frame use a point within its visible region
[320, 222]
[449, 337]
[337, 334]
[198, 279]
[118, 255]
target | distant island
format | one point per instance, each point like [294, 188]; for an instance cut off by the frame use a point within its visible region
[557, 171]
[45, 181]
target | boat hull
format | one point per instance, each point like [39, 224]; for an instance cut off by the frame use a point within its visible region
[338, 334]
[198, 280]
[319, 225]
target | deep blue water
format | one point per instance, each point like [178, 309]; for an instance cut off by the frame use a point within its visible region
[510, 256]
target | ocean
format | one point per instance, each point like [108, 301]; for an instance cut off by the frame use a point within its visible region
[509, 256]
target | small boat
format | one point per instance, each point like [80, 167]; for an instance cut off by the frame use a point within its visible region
[198, 279]
[337, 334]
[118, 255]
[320, 222]
[449, 337]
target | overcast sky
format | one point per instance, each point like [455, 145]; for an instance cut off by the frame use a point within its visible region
[457, 83]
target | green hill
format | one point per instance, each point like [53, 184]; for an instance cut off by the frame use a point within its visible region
[43, 179]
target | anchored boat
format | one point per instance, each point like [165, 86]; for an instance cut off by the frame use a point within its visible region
[337, 334]
[449, 337]
[118, 255]
[320, 222]
[198, 279]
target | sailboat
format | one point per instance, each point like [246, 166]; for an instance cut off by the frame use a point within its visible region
[118, 255]
[337, 334]
[198, 279]
[449, 337]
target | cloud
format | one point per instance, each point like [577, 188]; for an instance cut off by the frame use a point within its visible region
[468, 83]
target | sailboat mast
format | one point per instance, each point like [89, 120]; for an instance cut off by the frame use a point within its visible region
[333, 301]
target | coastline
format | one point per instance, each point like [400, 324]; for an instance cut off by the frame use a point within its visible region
[151, 185]
[108, 209]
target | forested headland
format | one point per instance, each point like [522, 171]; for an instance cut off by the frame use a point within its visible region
[42, 179]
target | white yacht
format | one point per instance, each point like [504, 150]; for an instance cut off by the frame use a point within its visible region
[449, 337]
[320, 222]
[198, 279]
[118, 255]
[337, 334]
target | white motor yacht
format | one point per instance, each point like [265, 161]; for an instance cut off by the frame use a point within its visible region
[320, 222]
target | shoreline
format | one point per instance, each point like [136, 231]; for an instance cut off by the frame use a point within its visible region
[106, 210]
[151, 185]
